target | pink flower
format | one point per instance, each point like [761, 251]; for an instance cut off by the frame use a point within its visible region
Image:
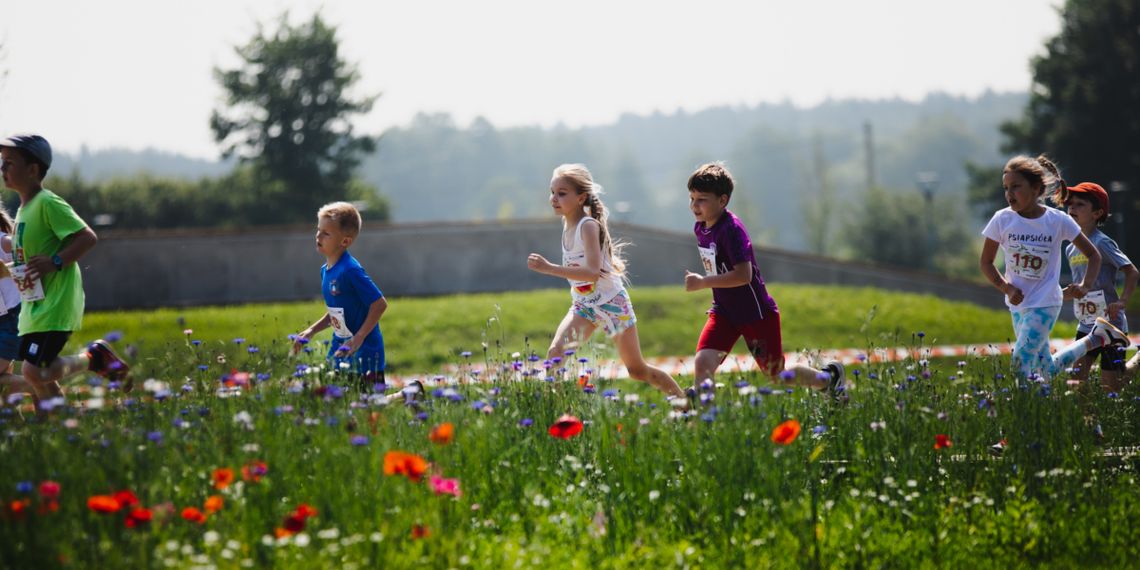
[443, 486]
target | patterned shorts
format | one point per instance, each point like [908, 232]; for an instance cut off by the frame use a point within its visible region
[613, 316]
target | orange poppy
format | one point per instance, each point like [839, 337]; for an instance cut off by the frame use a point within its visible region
[442, 434]
[420, 531]
[942, 441]
[223, 476]
[18, 508]
[786, 432]
[103, 504]
[408, 464]
[214, 504]
[566, 427]
[193, 515]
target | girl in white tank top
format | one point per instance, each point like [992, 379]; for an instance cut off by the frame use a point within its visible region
[592, 263]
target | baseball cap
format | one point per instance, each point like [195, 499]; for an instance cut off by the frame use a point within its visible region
[34, 144]
[1094, 191]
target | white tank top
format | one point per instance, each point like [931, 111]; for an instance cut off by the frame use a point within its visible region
[9, 293]
[590, 293]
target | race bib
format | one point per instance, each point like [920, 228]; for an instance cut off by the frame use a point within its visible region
[708, 258]
[1027, 261]
[1093, 305]
[31, 290]
[336, 318]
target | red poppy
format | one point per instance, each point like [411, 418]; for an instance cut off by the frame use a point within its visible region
[139, 517]
[420, 531]
[18, 508]
[408, 464]
[126, 498]
[942, 441]
[49, 490]
[442, 434]
[222, 477]
[305, 511]
[254, 471]
[214, 504]
[566, 427]
[786, 432]
[104, 504]
[294, 523]
[193, 515]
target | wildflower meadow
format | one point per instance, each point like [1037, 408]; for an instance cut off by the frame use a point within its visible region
[230, 453]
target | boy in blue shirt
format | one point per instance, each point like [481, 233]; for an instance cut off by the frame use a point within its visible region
[354, 304]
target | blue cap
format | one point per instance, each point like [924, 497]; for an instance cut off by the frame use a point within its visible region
[34, 144]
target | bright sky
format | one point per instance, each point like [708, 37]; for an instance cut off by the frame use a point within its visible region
[138, 73]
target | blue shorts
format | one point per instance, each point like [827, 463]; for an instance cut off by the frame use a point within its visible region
[10, 334]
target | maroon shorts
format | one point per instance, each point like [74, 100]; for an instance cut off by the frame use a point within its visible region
[762, 337]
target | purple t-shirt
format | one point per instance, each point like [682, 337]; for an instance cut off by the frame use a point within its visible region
[722, 247]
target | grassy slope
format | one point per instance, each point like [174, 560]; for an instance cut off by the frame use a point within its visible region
[421, 334]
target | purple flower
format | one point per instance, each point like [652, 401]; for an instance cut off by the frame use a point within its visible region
[24, 487]
[921, 334]
[609, 393]
[155, 436]
[787, 375]
[465, 354]
[113, 336]
[253, 349]
[359, 440]
[196, 342]
[239, 340]
[526, 422]
[819, 429]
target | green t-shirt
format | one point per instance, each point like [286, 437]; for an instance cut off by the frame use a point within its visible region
[42, 225]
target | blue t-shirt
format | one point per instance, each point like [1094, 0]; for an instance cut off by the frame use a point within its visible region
[1112, 260]
[349, 292]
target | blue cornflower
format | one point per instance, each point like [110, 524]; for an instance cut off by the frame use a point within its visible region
[155, 436]
[526, 422]
[359, 440]
[253, 349]
[819, 429]
[239, 340]
[113, 336]
[465, 354]
[24, 487]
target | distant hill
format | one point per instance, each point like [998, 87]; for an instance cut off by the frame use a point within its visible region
[781, 155]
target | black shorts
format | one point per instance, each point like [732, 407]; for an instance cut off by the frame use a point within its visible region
[40, 349]
[1111, 357]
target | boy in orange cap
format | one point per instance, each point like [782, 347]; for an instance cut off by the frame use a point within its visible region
[1087, 203]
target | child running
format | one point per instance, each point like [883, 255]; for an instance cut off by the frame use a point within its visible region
[1030, 235]
[741, 305]
[592, 263]
[1087, 203]
[353, 302]
[48, 242]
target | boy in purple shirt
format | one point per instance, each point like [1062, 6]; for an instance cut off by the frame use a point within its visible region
[741, 303]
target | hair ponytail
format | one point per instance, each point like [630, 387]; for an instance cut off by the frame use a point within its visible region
[1060, 191]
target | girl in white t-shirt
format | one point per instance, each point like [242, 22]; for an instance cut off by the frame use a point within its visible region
[592, 263]
[1030, 235]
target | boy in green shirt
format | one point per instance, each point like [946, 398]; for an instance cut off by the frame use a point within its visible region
[49, 238]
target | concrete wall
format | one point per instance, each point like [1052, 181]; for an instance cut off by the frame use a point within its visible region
[138, 270]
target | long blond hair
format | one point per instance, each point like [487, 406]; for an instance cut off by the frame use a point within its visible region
[579, 177]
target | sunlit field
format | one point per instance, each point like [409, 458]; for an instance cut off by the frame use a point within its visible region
[229, 453]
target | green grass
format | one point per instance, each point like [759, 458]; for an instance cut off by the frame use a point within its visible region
[861, 486]
[422, 334]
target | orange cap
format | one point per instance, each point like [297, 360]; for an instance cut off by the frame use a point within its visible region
[1094, 191]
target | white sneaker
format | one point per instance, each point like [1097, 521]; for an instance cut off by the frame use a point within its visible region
[1109, 334]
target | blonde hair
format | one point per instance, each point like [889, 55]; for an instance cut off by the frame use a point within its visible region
[1040, 172]
[579, 177]
[344, 214]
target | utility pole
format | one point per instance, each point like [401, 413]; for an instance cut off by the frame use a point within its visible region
[869, 150]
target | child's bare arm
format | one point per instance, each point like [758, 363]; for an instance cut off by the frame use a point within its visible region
[591, 271]
[740, 275]
[1131, 276]
[74, 247]
[991, 273]
[375, 311]
[307, 334]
